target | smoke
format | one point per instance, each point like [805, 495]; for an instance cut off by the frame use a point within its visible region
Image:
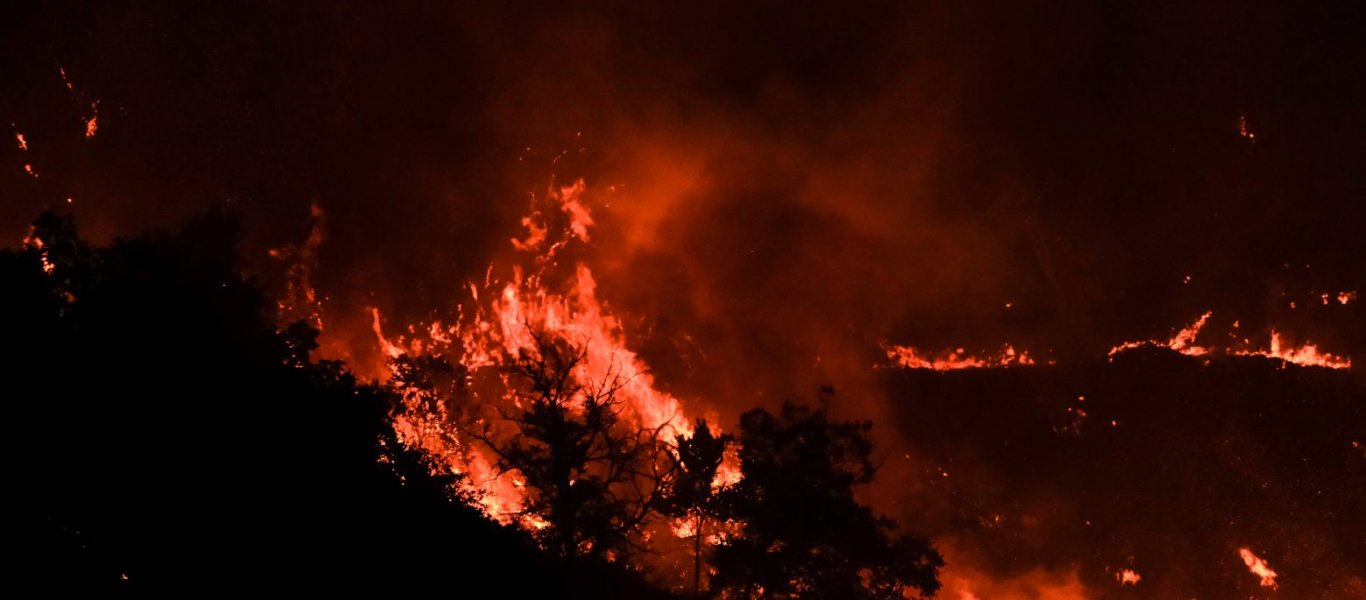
[779, 189]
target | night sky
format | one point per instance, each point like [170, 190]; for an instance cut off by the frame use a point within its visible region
[779, 189]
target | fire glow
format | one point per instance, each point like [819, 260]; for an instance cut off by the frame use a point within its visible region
[1184, 342]
[911, 358]
[1258, 567]
[1128, 577]
[496, 325]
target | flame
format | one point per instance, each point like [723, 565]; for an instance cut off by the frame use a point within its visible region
[1128, 577]
[33, 241]
[1307, 355]
[495, 325]
[389, 348]
[93, 123]
[911, 358]
[1258, 567]
[1244, 131]
[23, 144]
[1182, 341]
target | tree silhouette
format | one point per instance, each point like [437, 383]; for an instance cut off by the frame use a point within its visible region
[692, 494]
[803, 532]
[592, 479]
[165, 437]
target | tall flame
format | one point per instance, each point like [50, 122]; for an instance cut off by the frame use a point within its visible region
[496, 324]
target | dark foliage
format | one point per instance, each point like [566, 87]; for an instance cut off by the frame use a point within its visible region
[591, 477]
[692, 494]
[163, 437]
[803, 531]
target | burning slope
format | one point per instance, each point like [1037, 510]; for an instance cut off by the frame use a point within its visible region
[1184, 342]
[1307, 355]
[542, 286]
[542, 292]
[911, 358]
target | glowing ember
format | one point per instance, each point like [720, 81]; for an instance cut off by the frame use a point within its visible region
[301, 301]
[33, 241]
[1258, 567]
[23, 144]
[92, 124]
[1345, 297]
[1244, 131]
[911, 358]
[1128, 577]
[390, 349]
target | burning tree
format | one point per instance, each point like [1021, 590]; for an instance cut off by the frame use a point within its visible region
[803, 533]
[591, 480]
[693, 495]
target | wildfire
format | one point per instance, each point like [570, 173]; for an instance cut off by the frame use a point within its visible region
[911, 358]
[1183, 341]
[33, 241]
[498, 323]
[1258, 567]
[1307, 355]
[93, 123]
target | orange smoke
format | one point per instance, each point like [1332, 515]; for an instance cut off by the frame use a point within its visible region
[964, 580]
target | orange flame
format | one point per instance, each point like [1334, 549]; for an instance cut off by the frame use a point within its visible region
[1182, 341]
[1306, 355]
[1258, 567]
[1128, 577]
[911, 358]
[93, 123]
[495, 325]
